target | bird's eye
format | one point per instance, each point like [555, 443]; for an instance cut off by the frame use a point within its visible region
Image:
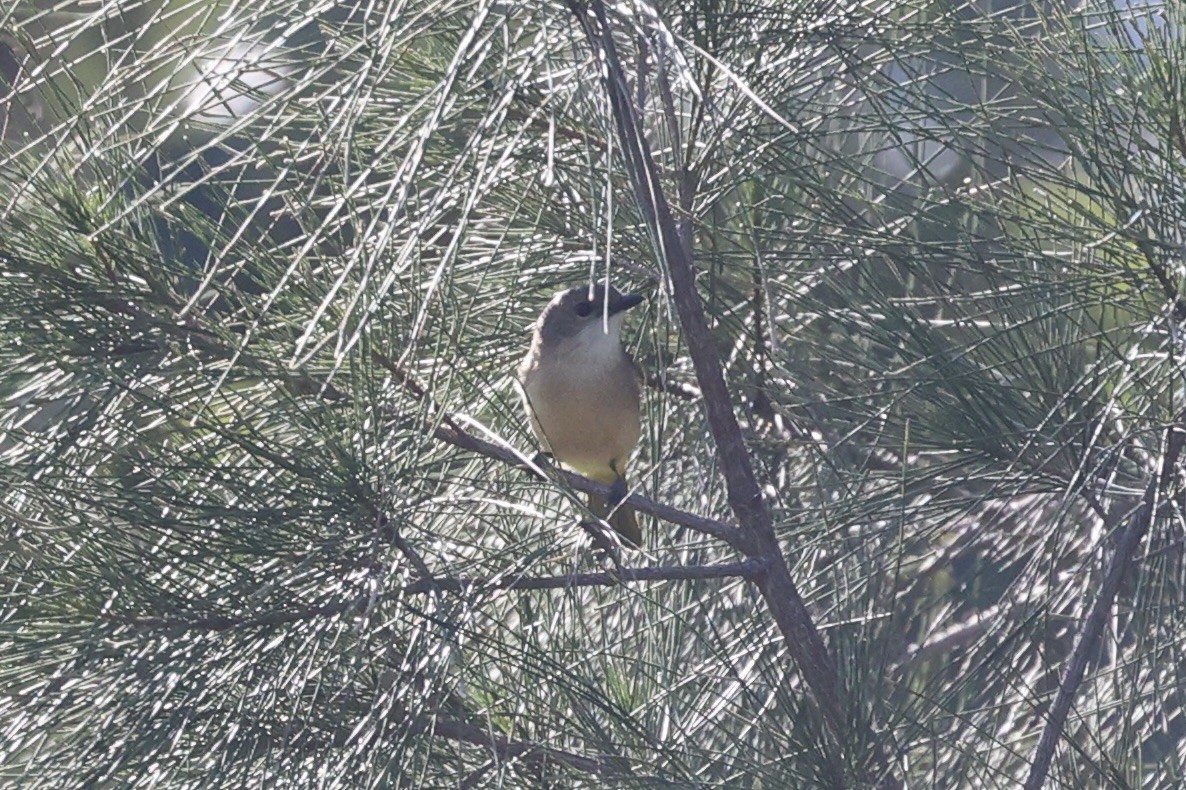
[584, 309]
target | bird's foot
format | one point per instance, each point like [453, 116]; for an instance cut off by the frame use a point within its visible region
[617, 492]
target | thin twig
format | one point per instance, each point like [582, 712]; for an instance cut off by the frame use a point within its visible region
[762, 405]
[410, 554]
[744, 570]
[303, 733]
[1093, 626]
[683, 176]
[507, 748]
[1167, 281]
[411, 385]
[227, 623]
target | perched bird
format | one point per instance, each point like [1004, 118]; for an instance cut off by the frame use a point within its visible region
[580, 391]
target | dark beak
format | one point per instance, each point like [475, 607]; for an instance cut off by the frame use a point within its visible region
[625, 302]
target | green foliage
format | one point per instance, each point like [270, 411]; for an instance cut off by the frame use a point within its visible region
[940, 246]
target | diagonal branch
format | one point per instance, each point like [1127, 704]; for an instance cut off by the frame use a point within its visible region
[708, 526]
[1168, 287]
[1152, 503]
[452, 433]
[757, 538]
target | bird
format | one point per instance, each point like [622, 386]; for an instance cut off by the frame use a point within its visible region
[580, 389]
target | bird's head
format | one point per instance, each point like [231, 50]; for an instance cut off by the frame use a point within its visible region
[583, 313]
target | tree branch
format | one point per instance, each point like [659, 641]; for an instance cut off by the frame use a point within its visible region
[708, 526]
[507, 748]
[757, 538]
[452, 433]
[747, 569]
[1093, 625]
[1168, 287]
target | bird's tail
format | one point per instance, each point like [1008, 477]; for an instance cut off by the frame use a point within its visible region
[622, 519]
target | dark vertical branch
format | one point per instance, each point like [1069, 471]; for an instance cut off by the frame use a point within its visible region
[1093, 626]
[758, 540]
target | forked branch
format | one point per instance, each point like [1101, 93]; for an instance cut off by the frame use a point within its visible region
[757, 538]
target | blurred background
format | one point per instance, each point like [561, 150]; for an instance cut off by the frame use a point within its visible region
[941, 248]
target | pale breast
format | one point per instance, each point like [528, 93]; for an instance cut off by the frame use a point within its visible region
[587, 415]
